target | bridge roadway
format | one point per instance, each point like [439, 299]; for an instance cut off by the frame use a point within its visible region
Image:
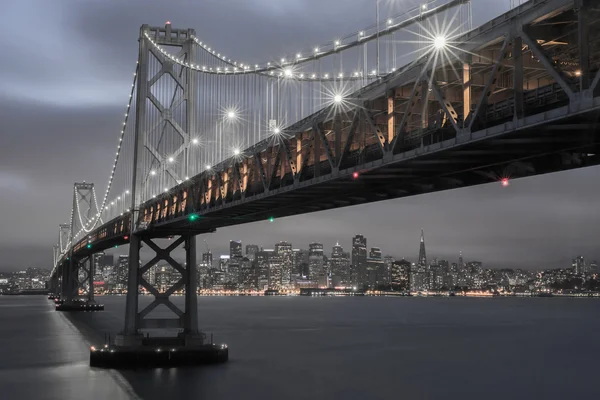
[407, 134]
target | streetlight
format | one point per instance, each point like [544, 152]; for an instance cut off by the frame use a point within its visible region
[439, 42]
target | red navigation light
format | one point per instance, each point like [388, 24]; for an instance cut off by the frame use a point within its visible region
[355, 175]
[125, 237]
[504, 182]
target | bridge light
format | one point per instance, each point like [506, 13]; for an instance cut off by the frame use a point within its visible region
[337, 98]
[195, 141]
[504, 182]
[439, 42]
[153, 172]
[236, 152]
[271, 219]
[277, 131]
[89, 246]
[125, 237]
[193, 217]
[355, 175]
[231, 114]
[289, 73]
[316, 50]
[171, 159]
[208, 167]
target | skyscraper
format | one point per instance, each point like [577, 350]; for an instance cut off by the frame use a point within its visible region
[400, 275]
[122, 271]
[284, 252]
[579, 264]
[235, 249]
[207, 258]
[419, 275]
[340, 265]
[251, 250]
[359, 259]
[422, 255]
[315, 261]
[375, 268]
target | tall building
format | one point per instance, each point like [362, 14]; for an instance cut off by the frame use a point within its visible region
[301, 262]
[235, 249]
[400, 275]
[579, 264]
[275, 269]
[251, 250]
[262, 269]
[315, 261]
[207, 259]
[285, 253]
[122, 271]
[422, 254]
[419, 274]
[359, 260]
[375, 270]
[101, 262]
[340, 266]
[247, 275]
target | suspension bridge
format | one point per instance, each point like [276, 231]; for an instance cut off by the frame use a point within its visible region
[418, 103]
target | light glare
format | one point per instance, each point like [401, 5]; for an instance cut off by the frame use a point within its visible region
[439, 42]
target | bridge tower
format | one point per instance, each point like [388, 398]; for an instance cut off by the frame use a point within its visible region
[78, 273]
[164, 123]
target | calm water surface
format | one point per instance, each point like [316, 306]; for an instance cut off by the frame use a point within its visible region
[336, 348]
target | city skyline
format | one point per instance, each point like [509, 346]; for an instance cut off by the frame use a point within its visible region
[533, 221]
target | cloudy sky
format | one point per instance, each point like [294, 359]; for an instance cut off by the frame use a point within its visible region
[65, 75]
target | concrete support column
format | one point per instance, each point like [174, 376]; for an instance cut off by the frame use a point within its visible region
[191, 287]
[131, 306]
